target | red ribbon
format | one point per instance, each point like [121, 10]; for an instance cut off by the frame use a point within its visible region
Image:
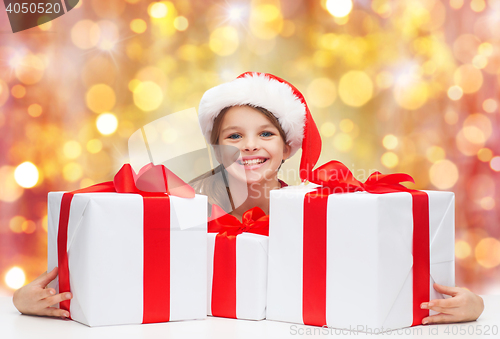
[156, 296]
[335, 177]
[227, 228]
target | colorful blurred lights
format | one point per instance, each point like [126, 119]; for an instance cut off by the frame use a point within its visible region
[484, 154]
[15, 278]
[224, 40]
[435, 153]
[327, 129]
[487, 203]
[339, 8]
[100, 98]
[495, 163]
[106, 123]
[342, 142]
[26, 175]
[158, 10]
[148, 96]
[72, 149]
[490, 105]
[487, 252]
[35, 110]
[181, 23]
[390, 141]
[94, 146]
[462, 249]
[138, 26]
[443, 174]
[355, 88]
[455, 93]
[321, 92]
[389, 159]
[72, 172]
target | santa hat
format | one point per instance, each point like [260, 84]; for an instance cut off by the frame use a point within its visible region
[276, 95]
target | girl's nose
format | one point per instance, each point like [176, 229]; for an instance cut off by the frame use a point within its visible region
[251, 145]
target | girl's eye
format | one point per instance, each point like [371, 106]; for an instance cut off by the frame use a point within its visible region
[233, 136]
[266, 134]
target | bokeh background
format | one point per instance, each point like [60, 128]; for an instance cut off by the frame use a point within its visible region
[397, 86]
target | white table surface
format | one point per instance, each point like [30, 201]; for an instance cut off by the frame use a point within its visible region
[13, 325]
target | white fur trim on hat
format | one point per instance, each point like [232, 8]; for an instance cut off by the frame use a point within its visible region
[256, 89]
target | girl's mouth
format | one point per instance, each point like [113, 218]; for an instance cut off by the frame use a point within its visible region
[254, 163]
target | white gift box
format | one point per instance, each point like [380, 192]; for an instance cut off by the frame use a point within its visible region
[369, 282]
[251, 275]
[105, 255]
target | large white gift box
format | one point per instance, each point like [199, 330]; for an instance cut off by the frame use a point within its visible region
[105, 252]
[250, 283]
[369, 258]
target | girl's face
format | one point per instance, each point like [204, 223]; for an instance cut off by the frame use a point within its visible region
[261, 147]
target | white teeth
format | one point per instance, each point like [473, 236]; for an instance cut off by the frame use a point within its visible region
[252, 162]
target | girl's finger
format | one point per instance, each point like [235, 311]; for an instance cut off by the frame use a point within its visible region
[438, 319]
[54, 312]
[57, 299]
[445, 310]
[453, 291]
[47, 292]
[44, 279]
[445, 303]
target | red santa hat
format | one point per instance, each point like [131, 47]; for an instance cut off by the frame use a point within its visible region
[277, 96]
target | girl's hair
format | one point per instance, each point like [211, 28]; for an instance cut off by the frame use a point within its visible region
[214, 183]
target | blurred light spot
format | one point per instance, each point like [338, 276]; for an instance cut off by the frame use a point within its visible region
[465, 48]
[132, 84]
[224, 41]
[321, 92]
[429, 67]
[384, 79]
[86, 182]
[469, 78]
[72, 149]
[45, 223]
[323, 58]
[455, 93]
[479, 61]
[484, 154]
[106, 123]
[456, 4]
[410, 94]
[138, 26]
[495, 163]
[72, 172]
[355, 88]
[18, 91]
[390, 141]
[158, 10]
[10, 191]
[339, 8]
[26, 175]
[16, 224]
[451, 117]
[462, 249]
[487, 203]
[109, 35]
[488, 252]
[148, 96]
[465, 146]
[490, 105]
[485, 49]
[342, 142]
[100, 98]
[435, 153]
[4, 92]
[382, 8]
[35, 110]
[94, 146]
[28, 226]
[85, 34]
[30, 69]
[181, 23]
[15, 278]
[477, 5]
[288, 28]
[346, 125]
[265, 21]
[477, 128]
[443, 174]
[389, 159]
[328, 129]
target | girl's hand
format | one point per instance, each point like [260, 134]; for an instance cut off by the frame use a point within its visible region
[34, 298]
[463, 306]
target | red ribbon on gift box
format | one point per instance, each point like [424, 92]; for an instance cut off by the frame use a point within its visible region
[335, 177]
[227, 228]
[156, 298]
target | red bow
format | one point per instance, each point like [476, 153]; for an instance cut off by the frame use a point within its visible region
[336, 176]
[254, 221]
